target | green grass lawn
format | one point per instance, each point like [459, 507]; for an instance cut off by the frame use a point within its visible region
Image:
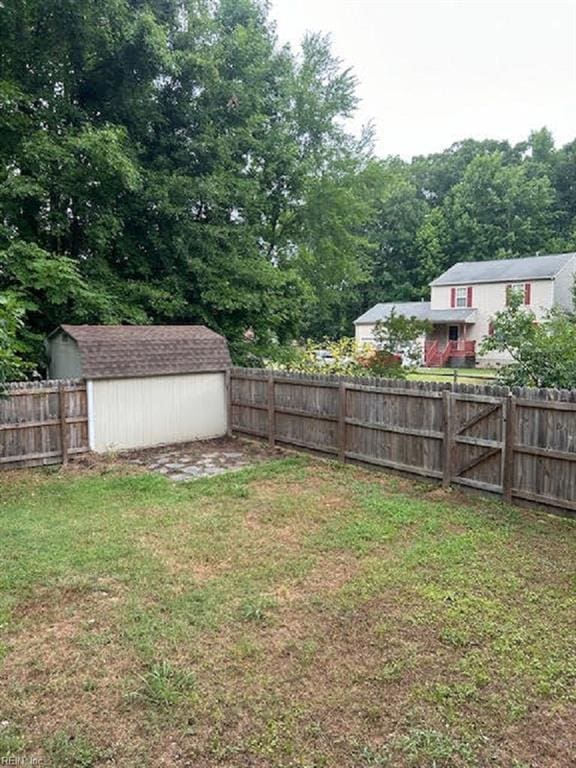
[464, 375]
[298, 614]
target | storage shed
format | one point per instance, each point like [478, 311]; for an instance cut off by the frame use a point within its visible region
[146, 385]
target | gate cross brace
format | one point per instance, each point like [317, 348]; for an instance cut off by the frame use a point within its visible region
[478, 460]
[478, 417]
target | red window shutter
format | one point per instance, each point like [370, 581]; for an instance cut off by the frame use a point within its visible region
[527, 293]
[453, 297]
[469, 297]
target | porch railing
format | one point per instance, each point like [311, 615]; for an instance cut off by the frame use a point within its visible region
[435, 355]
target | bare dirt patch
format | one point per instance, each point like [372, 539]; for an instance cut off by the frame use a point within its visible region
[65, 670]
[546, 738]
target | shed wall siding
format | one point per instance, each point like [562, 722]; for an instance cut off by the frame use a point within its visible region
[65, 358]
[143, 412]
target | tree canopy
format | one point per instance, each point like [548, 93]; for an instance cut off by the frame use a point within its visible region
[543, 353]
[168, 162]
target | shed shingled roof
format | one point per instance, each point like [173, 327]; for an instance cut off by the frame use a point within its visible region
[505, 270]
[122, 351]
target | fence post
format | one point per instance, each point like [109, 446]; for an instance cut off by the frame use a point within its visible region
[228, 388]
[63, 425]
[447, 429]
[271, 415]
[508, 448]
[342, 398]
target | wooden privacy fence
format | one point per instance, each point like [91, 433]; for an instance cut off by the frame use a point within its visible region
[42, 423]
[519, 443]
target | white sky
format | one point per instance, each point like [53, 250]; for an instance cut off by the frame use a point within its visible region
[432, 72]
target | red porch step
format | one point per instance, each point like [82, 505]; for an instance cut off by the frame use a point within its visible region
[435, 357]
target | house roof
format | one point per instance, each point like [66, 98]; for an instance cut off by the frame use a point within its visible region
[419, 309]
[505, 270]
[122, 351]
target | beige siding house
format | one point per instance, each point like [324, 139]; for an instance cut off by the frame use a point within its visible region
[146, 385]
[464, 299]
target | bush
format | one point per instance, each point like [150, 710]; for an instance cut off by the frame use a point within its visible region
[12, 365]
[401, 337]
[543, 354]
[345, 357]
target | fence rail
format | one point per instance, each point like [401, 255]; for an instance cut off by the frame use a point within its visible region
[520, 443]
[42, 423]
[456, 375]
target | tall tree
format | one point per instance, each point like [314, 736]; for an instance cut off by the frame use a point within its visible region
[499, 210]
[400, 212]
[171, 161]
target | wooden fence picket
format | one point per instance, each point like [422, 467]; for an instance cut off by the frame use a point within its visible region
[519, 444]
[42, 422]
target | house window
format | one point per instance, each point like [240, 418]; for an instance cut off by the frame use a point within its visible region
[525, 288]
[461, 297]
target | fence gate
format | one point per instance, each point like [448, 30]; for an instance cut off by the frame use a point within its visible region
[476, 446]
[520, 444]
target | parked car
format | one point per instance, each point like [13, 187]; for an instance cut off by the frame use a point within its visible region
[324, 356]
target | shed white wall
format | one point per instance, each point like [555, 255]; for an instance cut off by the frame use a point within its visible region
[155, 410]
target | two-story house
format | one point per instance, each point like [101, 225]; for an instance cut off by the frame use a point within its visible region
[464, 299]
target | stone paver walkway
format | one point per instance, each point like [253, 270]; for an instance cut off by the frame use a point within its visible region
[205, 458]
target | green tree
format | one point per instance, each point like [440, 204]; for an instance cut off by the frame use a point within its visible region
[436, 174]
[563, 175]
[172, 162]
[432, 247]
[12, 363]
[401, 337]
[543, 353]
[399, 213]
[499, 209]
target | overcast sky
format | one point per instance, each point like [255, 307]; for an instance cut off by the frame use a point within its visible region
[431, 72]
